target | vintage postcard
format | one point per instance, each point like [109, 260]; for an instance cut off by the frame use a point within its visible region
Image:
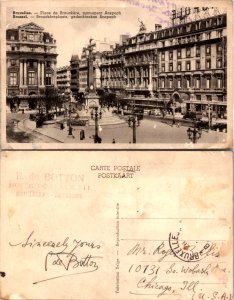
[117, 74]
[103, 227]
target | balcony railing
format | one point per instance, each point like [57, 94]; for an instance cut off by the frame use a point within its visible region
[134, 87]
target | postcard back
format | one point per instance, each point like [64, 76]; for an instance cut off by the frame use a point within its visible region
[105, 226]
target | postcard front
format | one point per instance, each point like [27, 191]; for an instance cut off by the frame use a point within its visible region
[116, 74]
[117, 227]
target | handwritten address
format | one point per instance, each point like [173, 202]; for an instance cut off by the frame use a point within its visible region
[155, 270]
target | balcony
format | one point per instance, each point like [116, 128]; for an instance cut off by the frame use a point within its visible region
[135, 64]
[13, 87]
[137, 88]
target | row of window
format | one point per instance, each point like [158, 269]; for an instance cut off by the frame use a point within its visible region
[172, 83]
[29, 37]
[208, 23]
[197, 65]
[209, 97]
[118, 73]
[31, 64]
[188, 51]
[178, 30]
[32, 79]
[199, 98]
[192, 38]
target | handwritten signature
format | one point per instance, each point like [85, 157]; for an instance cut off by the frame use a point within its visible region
[70, 260]
[67, 254]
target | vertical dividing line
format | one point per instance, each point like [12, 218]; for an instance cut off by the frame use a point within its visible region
[117, 264]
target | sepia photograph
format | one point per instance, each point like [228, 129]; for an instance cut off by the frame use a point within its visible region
[116, 74]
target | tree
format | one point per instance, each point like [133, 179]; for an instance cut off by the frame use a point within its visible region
[106, 98]
[51, 99]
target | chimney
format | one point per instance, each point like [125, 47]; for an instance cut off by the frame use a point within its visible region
[123, 38]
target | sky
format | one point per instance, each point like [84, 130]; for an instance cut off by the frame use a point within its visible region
[73, 34]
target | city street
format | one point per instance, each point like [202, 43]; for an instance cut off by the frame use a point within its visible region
[149, 131]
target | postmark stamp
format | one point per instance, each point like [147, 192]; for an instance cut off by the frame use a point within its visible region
[188, 252]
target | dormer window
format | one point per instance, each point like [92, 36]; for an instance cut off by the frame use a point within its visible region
[198, 25]
[188, 28]
[219, 21]
[208, 23]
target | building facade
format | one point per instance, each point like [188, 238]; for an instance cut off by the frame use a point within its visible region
[31, 60]
[183, 64]
[192, 64]
[91, 57]
[64, 80]
[74, 71]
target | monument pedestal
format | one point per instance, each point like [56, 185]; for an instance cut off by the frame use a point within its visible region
[91, 100]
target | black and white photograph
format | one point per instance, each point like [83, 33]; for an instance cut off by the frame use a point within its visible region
[117, 74]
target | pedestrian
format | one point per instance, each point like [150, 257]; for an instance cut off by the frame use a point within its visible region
[82, 134]
[113, 141]
[70, 132]
[178, 124]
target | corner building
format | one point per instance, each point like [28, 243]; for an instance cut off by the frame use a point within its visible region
[192, 64]
[31, 64]
[184, 63]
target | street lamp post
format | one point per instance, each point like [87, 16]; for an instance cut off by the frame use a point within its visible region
[209, 116]
[194, 134]
[70, 129]
[133, 122]
[173, 108]
[96, 115]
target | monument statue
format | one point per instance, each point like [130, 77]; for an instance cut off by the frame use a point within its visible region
[142, 26]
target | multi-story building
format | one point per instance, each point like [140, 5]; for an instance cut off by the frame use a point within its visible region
[92, 54]
[185, 63]
[64, 80]
[192, 64]
[74, 71]
[31, 63]
[83, 72]
[112, 69]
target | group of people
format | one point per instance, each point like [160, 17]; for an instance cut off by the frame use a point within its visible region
[96, 138]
